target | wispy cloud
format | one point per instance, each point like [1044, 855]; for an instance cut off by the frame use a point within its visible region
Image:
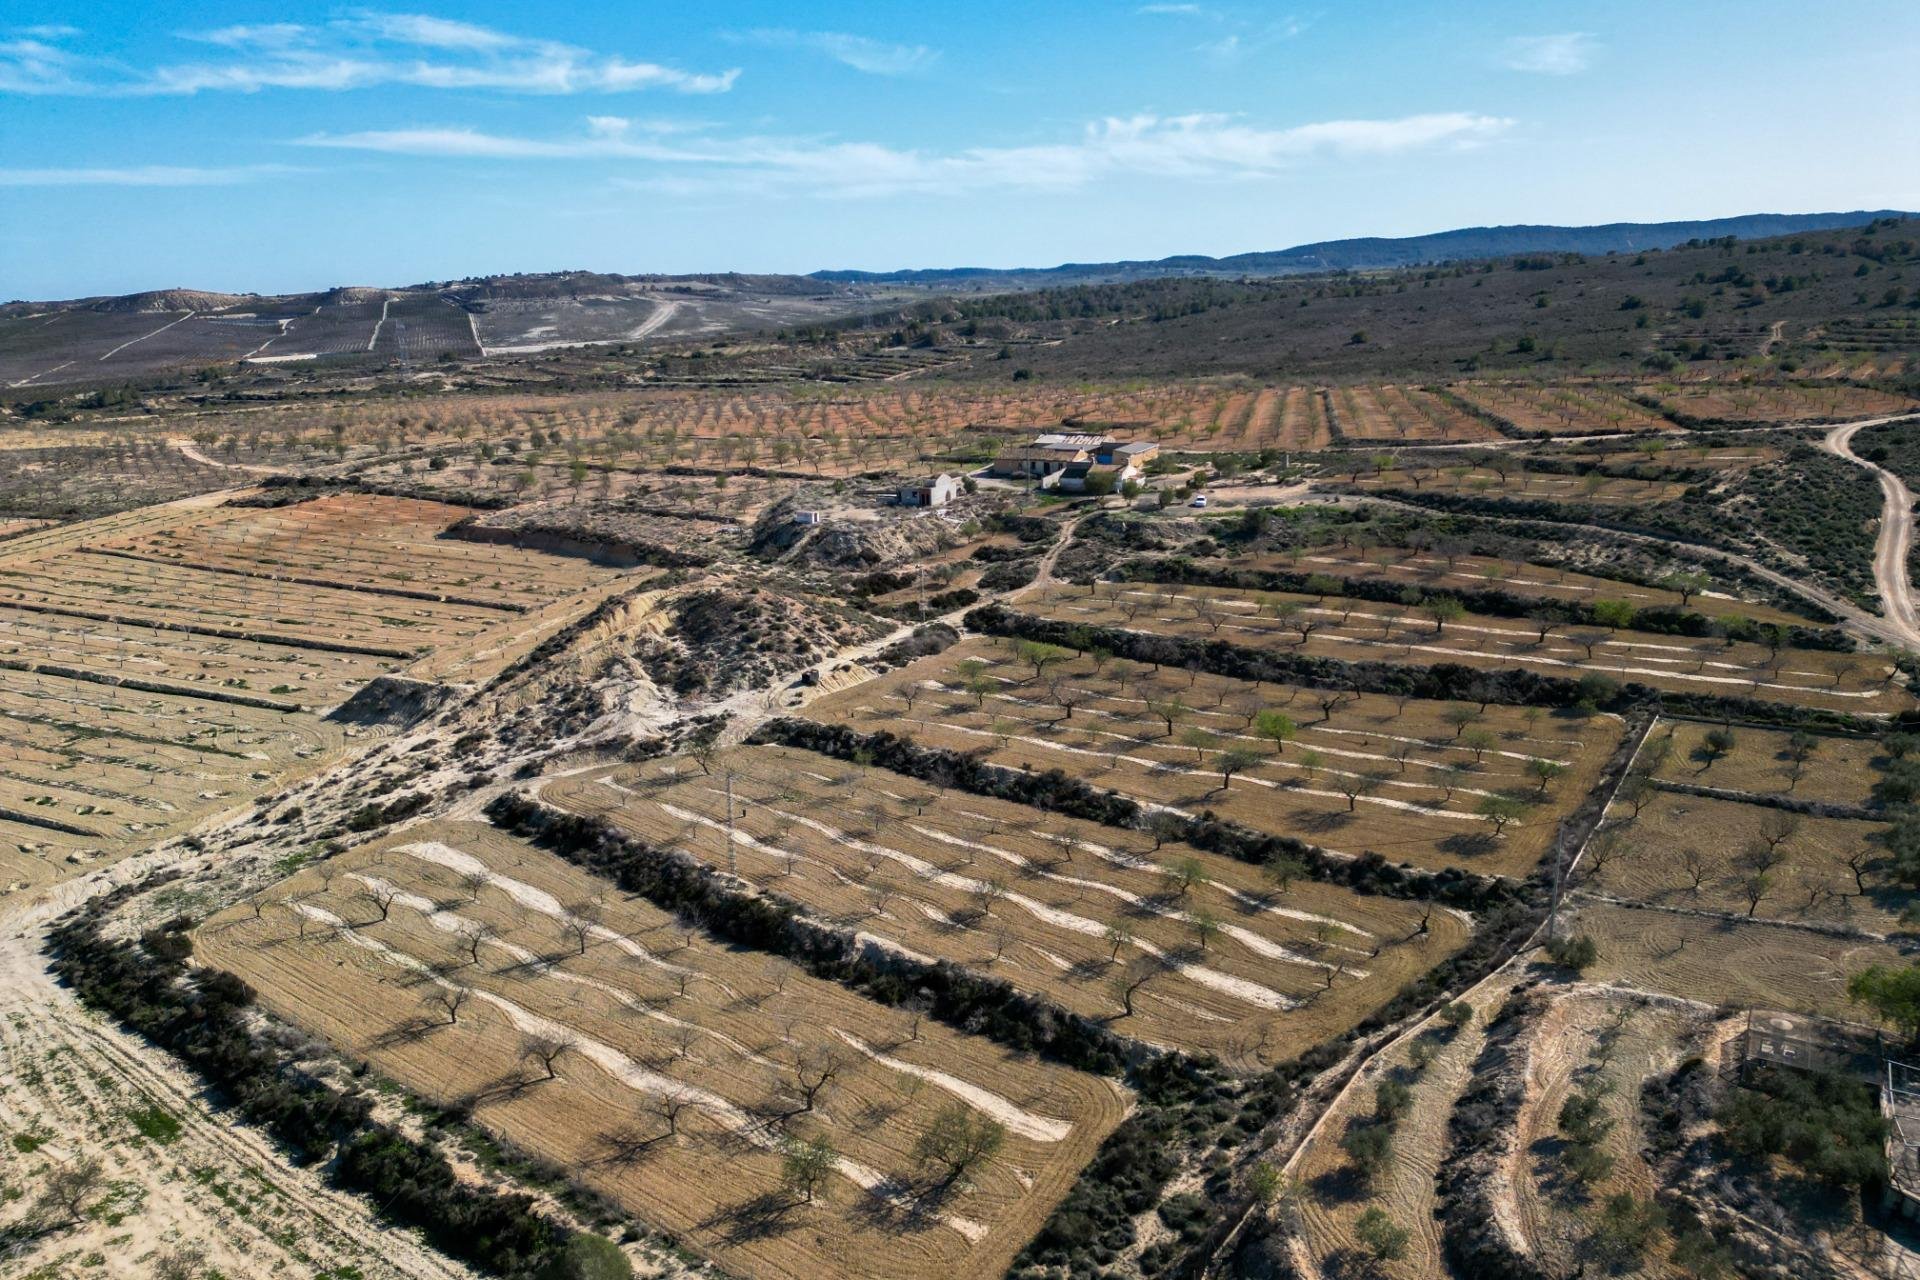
[146, 175]
[862, 53]
[360, 51]
[1176, 10]
[1566, 54]
[1199, 146]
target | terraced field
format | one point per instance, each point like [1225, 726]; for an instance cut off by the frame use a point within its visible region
[1437, 570]
[1170, 945]
[1575, 409]
[1362, 630]
[1488, 481]
[669, 1073]
[1761, 403]
[1410, 414]
[1820, 767]
[1352, 773]
[160, 667]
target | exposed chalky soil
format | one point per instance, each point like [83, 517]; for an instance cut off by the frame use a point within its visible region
[377, 950]
[177, 1175]
[1175, 946]
[1353, 773]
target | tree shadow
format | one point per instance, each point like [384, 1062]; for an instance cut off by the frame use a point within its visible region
[1320, 820]
[412, 1031]
[898, 1207]
[762, 1217]
[626, 1147]
[1469, 844]
[1342, 1184]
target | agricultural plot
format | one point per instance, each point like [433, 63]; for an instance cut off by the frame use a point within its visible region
[378, 546]
[1294, 418]
[1409, 414]
[69, 346]
[1727, 962]
[1570, 409]
[424, 329]
[1173, 946]
[1425, 783]
[1508, 478]
[1760, 403]
[204, 338]
[1706, 853]
[1818, 767]
[63, 482]
[332, 329]
[1440, 570]
[1435, 1067]
[163, 666]
[1593, 1050]
[113, 588]
[669, 1073]
[1586, 1043]
[528, 325]
[1359, 630]
[92, 771]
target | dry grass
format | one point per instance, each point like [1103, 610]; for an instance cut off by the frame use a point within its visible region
[1227, 962]
[1728, 962]
[652, 1012]
[1419, 779]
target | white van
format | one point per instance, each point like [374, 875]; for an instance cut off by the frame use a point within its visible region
[1199, 500]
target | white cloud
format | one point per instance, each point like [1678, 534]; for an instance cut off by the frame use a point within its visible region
[1199, 147]
[1559, 55]
[149, 175]
[862, 53]
[1175, 10]
[361, 51]
[35, 64]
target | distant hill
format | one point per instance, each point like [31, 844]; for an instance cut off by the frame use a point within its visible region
[1377, 253]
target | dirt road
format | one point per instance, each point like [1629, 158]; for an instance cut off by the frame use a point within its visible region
[179, 1174]
[1895, 543]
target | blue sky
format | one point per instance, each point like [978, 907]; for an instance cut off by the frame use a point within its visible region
[229, 146]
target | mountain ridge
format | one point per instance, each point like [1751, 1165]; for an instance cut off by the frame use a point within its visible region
[1364, 253]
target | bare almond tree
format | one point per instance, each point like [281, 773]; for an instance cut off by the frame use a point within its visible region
[547, 1050]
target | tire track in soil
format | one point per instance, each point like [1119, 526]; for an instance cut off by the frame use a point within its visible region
[72, 1076]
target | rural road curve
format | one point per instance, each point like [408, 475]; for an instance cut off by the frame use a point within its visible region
[1895, 543]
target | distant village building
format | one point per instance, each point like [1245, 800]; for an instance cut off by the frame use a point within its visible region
[1096, 477]
[934, 491]
[1066, 440]
[1136, 453]
[1035, 462]
[806, 517]
[1066, 459]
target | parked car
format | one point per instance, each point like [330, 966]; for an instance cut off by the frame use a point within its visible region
[1199, 500]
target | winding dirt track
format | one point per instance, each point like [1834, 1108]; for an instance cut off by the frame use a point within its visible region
[218, 1185]
[1895, 543]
